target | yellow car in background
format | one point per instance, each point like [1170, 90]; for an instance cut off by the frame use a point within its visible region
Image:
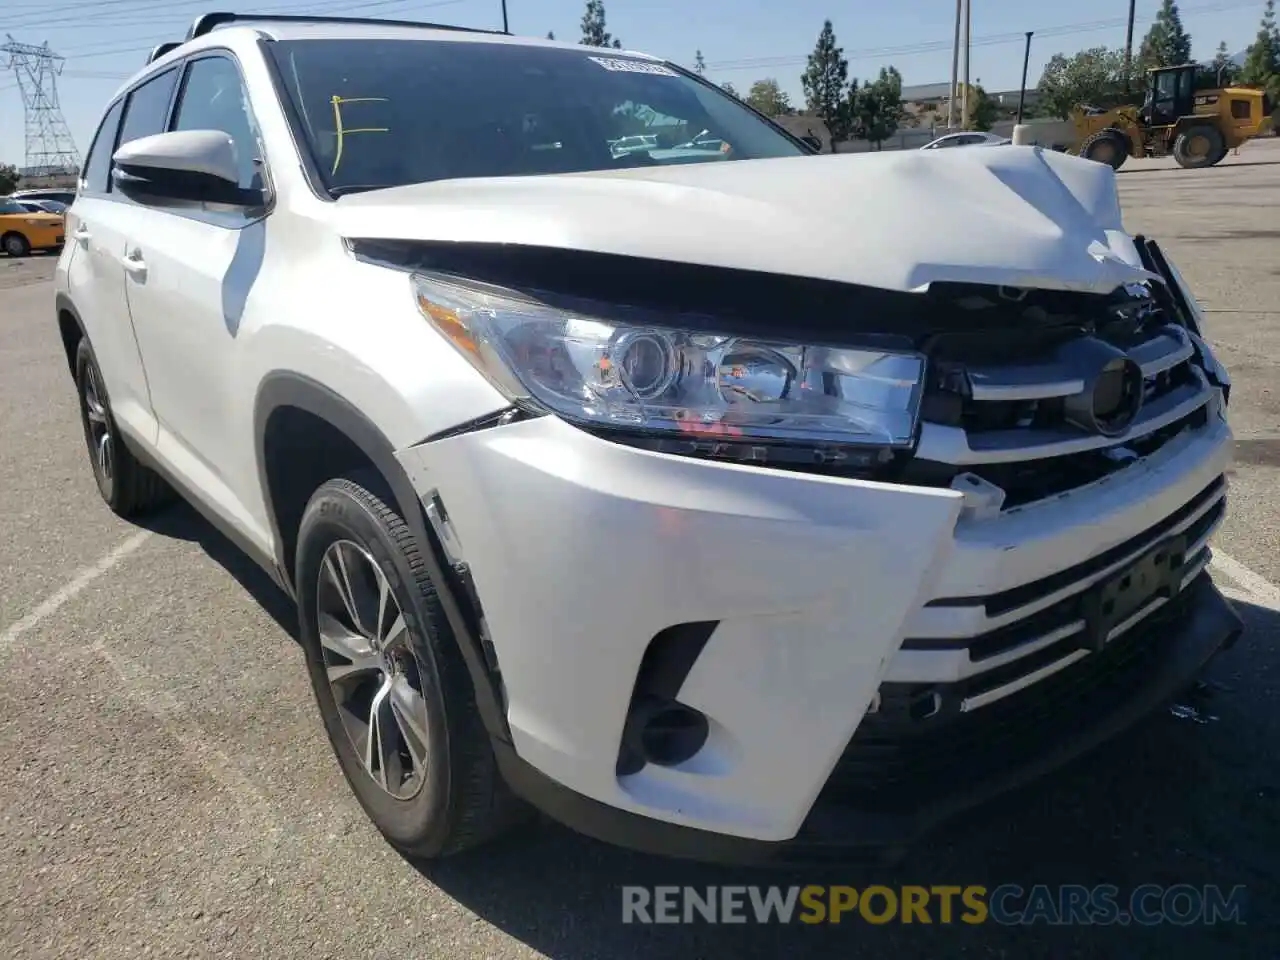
[22, 231]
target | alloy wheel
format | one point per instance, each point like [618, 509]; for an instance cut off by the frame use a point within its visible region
[99, 424]
[373, 672]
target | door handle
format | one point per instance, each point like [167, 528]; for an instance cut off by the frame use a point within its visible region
[82, 235]
[135, 265]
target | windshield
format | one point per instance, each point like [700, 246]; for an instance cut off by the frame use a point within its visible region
[381, 113]
[11, 206]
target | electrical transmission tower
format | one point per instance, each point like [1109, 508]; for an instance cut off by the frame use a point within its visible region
[50, 148]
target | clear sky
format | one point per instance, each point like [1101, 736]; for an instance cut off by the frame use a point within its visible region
[104, 41]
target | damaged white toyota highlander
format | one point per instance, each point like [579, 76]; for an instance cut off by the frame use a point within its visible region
[630, 461]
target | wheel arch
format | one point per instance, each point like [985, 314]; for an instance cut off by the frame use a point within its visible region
[291, 405]
[70, 328]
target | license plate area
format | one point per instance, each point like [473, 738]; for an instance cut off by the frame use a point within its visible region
[1157, 573]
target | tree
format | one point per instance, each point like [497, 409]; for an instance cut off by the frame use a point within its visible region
[877, 107]
[594, 33]
[826, 85]
[1219, 72]
[9, 178]
[699, 64]
[1262, 59]
[769, 98]
[983, 109]
[1094, 76]
[1166, 44]
[730, 89]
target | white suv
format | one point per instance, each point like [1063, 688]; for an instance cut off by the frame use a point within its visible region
[722, 503]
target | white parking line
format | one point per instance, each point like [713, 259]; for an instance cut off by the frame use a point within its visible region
[1256, 588]
[69, 590]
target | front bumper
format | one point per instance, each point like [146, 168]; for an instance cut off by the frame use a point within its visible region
[829, 602]
[1153, 669]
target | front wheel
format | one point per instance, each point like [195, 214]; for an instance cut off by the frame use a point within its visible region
[1106, 146]
[392, 690]
[15, 245]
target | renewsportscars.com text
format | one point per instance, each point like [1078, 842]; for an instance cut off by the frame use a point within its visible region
[1007, 904]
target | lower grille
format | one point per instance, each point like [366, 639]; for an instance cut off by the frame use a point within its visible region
[1030, 593]
[898, 754]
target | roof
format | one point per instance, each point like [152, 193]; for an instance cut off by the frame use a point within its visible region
[302, 27]
[373, 30]
[251, 29]
[926, 91]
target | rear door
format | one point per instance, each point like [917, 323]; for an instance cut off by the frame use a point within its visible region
[93, 275]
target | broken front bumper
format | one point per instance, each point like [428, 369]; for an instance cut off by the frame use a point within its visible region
[806, 618]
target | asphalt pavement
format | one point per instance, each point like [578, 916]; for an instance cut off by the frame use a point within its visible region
[170, 792]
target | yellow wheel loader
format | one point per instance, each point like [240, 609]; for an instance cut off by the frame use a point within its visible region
[1195, 127]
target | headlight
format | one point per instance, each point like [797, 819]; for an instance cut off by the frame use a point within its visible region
[1184, 290]
[678, 382]
[1205, 356]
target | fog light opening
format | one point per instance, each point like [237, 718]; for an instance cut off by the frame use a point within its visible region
[662, 732]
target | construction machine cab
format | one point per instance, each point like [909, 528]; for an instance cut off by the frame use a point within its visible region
[1170, 95]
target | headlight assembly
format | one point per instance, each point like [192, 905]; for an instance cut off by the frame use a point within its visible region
[1183, 292]
[1205, 356]
[679, 383]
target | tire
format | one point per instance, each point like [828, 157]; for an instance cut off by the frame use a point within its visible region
[129, 488]
[448, 796]
[1107, 146]
[15, 245]
[1199, 146]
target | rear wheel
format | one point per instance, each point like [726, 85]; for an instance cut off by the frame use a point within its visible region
[128, 487]
[396, 699]
[1106, 146]
[1199, 146]
[15, 245]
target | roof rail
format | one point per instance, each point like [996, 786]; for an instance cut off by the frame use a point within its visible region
[211, 21]
[162, 49]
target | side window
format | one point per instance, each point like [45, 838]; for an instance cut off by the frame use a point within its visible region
[148, 107]
[97, 166]
[213, 98]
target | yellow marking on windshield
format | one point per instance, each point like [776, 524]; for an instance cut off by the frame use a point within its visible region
[342, 131]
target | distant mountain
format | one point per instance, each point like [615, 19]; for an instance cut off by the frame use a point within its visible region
[1238, 59]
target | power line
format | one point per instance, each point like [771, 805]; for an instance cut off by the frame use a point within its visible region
[195, 7]
[935, 46]
[81, 53]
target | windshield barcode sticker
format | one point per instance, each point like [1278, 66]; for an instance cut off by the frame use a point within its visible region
[634, 66]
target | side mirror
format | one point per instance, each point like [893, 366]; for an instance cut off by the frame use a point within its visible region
[200, 166]
[813, 142]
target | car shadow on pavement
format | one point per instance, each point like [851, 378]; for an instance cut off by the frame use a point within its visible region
[1185, 799]
[183, 522]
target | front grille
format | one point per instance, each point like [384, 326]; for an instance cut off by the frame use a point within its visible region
[1001, 408]
[900, 753]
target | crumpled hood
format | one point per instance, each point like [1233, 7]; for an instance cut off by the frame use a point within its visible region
[900, 220]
